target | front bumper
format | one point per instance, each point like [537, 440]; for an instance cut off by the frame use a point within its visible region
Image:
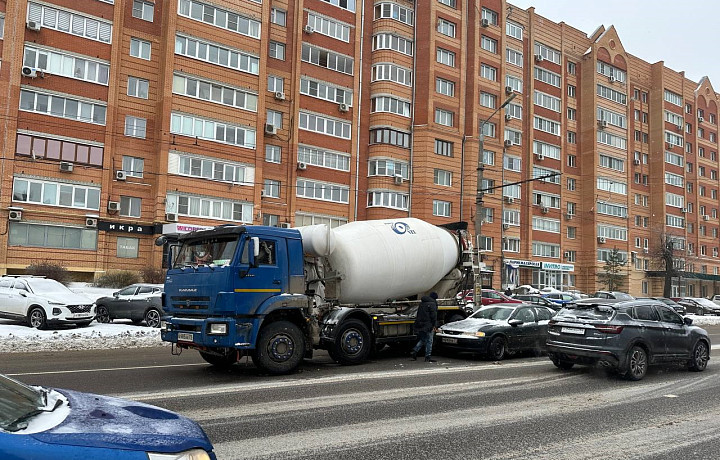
[196, 332]
[461, 342]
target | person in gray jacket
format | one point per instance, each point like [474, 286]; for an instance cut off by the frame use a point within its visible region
[425, 325]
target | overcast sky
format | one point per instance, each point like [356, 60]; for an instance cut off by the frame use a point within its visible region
[684, 34]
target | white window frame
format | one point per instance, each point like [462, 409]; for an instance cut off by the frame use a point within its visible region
[324, 124]
[135, 127]
[141, 49]
[184, 124]
[143, 10]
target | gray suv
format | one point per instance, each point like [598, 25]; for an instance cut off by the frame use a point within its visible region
[626, 336]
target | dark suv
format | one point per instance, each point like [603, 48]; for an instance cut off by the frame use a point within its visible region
[626, 336]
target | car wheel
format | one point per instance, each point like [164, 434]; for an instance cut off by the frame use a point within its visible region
[352, 342]
[223, 359]
[700, 311]
[497, 350]
[152, 318]
[700, 357]
[103, 315]
[564, 365]
[37, 318]
[637, 363]
[280, 348]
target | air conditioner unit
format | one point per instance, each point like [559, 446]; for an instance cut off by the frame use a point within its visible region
[484, 22]
[567, 254]
[91, 222]
[539, 58]
[568, 216]
[645, 250]
[509, 200]
[285, 225]
[611, 79]
[309, 29]
[505, 226]
[508, 117]
[689, 252]
[113, 206]
[602, 124]
[302, 166]
[544, 209]
[508, 143]
[171, 217]
[668, 145]
[120, 175]
[683, 210]
[343, 108]
[601, 239]
[262, 193]
[29, 72]
[508, 90]
[398, 180]
[636, 162]
[706, 217]
[279, 95]
[270, 129]
[540, 156]
[15, 214]
[66, 166]
[700, 119]
[33, 25]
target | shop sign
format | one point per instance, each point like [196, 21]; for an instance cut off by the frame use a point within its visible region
[558, 266]
[125, 228]
[522, 263]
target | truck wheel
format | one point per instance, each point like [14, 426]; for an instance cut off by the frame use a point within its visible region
[223, 361]
[352, 342]
[280, 348]
[37, 318]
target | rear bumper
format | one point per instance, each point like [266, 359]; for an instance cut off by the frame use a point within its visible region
[583, 355]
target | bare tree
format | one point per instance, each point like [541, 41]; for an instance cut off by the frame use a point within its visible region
[665, 250]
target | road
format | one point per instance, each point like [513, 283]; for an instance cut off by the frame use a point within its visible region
[396, 408]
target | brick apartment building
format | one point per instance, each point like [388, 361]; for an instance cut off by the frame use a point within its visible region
[125, 119]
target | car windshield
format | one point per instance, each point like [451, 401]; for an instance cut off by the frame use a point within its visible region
[706, 302]
[206, 251]
[495, 313]
[18, 402]
[46, 286]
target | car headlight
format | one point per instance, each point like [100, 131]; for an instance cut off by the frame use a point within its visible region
[194, 454]
[475, 334]
[218, 328]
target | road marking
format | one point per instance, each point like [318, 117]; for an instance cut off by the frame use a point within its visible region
[73, 371]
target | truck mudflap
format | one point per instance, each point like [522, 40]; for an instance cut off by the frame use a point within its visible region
[210, 332]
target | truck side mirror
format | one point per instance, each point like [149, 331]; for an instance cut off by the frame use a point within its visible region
[160, 240]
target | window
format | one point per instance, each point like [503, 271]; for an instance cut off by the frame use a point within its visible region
[547, 101]
[571, 68]
[441, 208]
[226, 57]
[488, 129]
[512, 163]
[446, 27]
[514, 57]
[219, 17]
[387, 199]
[673, 98]
[488, 44]
[606, 161]
[389, 168]
[140, 48]
[511, 244]
[571, 91]
[612, 72]
[571, 184]
[488, 100]
[549, 176]
[545, 76]
[445, 87]
[390, 104]
[137, 87]
[277, 50]
[210, 169]
[546, 150]
[50, 193]
[514, 82]
[324, 158]
[344, 4]
[303, 219]
[391, 72]
[127, 248]
[610, 185]
[450, 3]
[548, 53]
[490, 15]
[324, 125]
[514, 30]
[135, 126]
[444, 117]
[272, 153]
[513, 111]
[545, 225]
[60, 148]
[71, 66]
[390, 136]
[489, 72]
[327, 59]
[271, 188]
[323, 191]
[271, 220]
[513, 135]
[214, 92]
[613, 118]
[62, 106]
[213, 208]
[572, 137]
[143, 10]
[545, 250]
[275, 84]
[70, 23]
[2, 27]
[274, 118]
[445, 57]
[387, 10]
[546, 125]
[278, 16]
[571, 113]
[442, 177]
[130, 206]
[203, 128]
[612, 140]
[326, 91]
[444, 148]
[133, 166]
[52, 236]
[387, 41]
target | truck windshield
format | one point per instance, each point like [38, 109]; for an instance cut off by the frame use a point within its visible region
[216, 250]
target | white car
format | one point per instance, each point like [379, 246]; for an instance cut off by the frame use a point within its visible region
[42, 302]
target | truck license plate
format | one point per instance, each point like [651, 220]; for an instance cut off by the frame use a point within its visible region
[572, 330]
[185, 337]
[449, 340]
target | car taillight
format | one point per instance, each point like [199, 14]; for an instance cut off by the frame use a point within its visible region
[609, 329]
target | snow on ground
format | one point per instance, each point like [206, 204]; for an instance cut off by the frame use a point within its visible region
[16, 337]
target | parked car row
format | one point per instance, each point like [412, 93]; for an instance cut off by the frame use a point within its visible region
[42, 302]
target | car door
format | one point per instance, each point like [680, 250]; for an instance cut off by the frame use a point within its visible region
[140, 301]
[543, 315]
[677, 334]
[120, 304]
[651, 330]
[522, 337]
[19, 297]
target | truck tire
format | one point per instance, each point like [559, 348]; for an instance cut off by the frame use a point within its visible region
[224, 361]
[280, 348]
[352, 342]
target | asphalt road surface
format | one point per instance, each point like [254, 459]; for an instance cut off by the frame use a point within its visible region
[457, 408]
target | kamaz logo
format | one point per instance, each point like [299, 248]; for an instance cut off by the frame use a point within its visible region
[401, 228]
[187, 290]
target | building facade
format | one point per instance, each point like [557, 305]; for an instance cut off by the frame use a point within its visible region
[128, 118]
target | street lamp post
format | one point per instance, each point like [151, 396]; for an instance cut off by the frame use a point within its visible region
[480, 173]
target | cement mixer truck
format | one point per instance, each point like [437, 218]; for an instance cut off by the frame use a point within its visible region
[277, 294]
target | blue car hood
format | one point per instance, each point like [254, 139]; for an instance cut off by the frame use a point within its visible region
[103, 421]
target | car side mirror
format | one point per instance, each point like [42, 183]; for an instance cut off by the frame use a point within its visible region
[516, 322]
[116, 294]
[687, 321]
